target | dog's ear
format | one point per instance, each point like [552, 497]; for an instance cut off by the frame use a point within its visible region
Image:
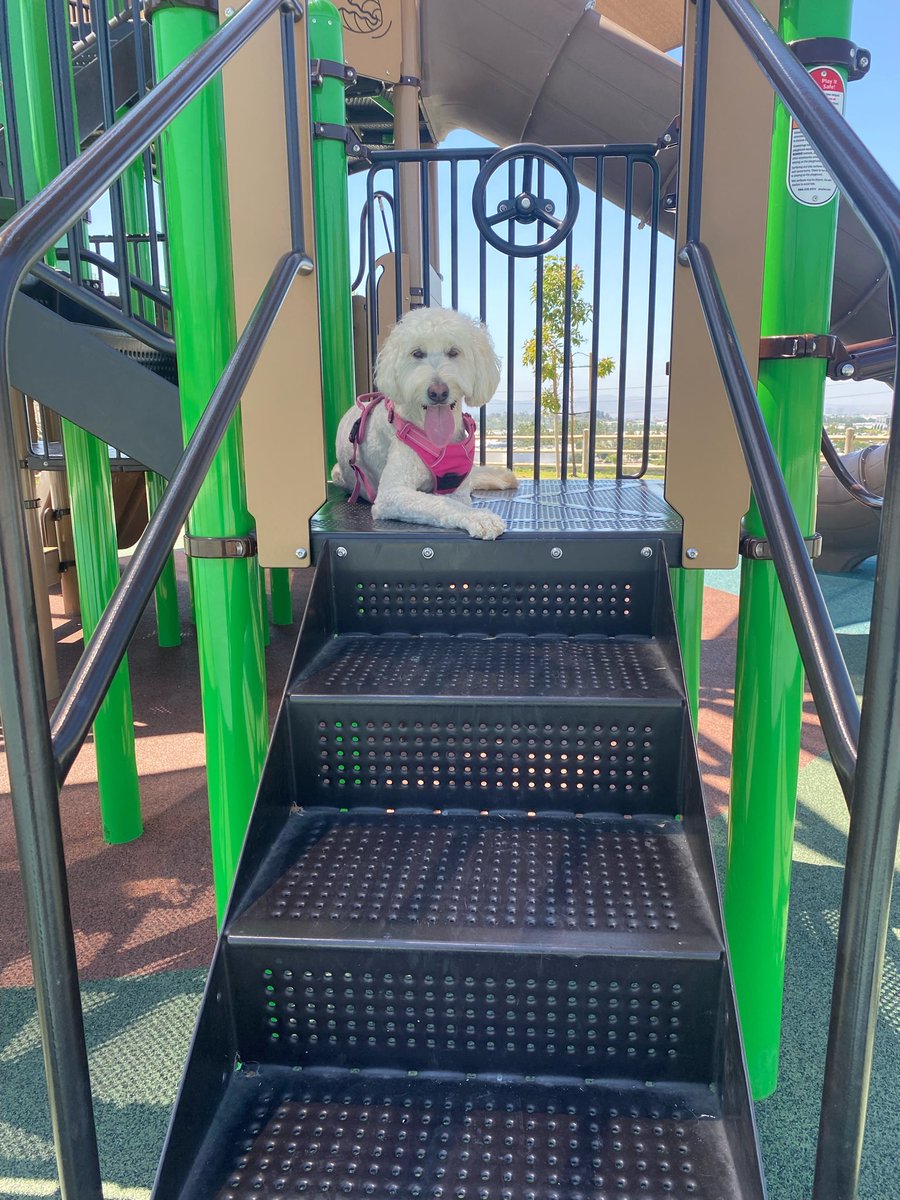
[487, 367]
[387, 365]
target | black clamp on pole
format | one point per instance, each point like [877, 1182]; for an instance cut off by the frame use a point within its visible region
[224, 547]
[321, 69]
[341, 133]
[833, 52]
[799, 345]
[760, 551]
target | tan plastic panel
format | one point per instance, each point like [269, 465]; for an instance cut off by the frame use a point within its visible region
[282, 406]
[706, 478]
[372, 37]
[659, 22]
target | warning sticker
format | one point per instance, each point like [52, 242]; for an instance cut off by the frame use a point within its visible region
[807, 179]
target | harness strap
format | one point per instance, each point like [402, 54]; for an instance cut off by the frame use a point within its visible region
[366, 403]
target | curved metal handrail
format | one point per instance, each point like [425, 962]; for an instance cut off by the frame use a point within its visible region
[856, 489]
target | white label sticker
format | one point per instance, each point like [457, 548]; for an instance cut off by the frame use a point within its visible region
[807, 179]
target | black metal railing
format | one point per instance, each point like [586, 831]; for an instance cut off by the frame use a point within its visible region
[599, 280]
[866, 751]
[39, 759]
[122, 274]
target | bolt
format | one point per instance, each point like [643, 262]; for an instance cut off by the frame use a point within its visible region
[847, 370]
[501, 208]
[427, 552]
[667, 137]
[556, 552]
[526, 202]
[301, 552]
[692, 553]
[341, 552]
[862, 61]
[229, 12]
[646, 551]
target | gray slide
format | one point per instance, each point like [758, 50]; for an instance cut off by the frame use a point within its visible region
[566, 71]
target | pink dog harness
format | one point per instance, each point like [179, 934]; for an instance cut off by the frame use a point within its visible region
[449, 465]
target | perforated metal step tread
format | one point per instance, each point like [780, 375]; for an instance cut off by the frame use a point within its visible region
[486, 880]
[514, 665]
[580, 507]
[374, 1136]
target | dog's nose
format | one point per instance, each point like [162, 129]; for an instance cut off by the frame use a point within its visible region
[438, 393]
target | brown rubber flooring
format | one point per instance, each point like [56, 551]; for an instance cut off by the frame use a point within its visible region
[148, 906]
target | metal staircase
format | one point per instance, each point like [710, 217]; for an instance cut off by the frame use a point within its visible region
[474, 948]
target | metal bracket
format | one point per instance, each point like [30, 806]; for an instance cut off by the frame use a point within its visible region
[671, 137]
[759, 550]
[66, 564]
[321, 69]
[410, 80]
[799, 345]
[29, 504]
[59, 513]
[341, 133]
[225, 547]
[835, 52]
[669, 202]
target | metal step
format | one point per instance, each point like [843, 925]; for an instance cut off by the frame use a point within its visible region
[384, 1136]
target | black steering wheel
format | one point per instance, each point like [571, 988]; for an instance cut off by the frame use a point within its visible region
[526, 207]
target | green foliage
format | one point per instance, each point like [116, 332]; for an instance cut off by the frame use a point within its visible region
[553, 330]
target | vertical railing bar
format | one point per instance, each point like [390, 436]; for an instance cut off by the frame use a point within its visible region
[595, 315]
[9, 97]
[568, 399]
[116, 199]
[66, 125]
[538, 346]
[398, 244]
[623, 336]
[149, 193]
[292, 130]
[482, 316]
[425, 193]
[698, 120]
[370, 253]
[454, 234]
[651, 315]
[510, 325]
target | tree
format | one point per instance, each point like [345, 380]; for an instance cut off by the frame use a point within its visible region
[553, 341]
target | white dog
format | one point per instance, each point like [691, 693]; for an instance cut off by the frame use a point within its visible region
[408, 448]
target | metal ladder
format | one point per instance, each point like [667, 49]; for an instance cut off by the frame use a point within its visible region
[474, 948]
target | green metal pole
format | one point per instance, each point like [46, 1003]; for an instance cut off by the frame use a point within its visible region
[264, 609]
[687, 594]
[332, 225]
[280, 589]
[168, 619]
[87, 458]
[226, 590]
[802, 221]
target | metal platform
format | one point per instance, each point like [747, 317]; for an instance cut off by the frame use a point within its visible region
[575, 507]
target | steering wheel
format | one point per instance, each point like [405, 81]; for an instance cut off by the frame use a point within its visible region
[526, 207]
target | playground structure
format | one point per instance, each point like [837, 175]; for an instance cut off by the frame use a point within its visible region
[481, 728]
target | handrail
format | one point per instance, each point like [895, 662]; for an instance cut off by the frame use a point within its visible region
[78, 706]
[875, 817]
[829, 679]
[32, 765]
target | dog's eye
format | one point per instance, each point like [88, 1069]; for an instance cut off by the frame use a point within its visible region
[418, 353]
[453, 352]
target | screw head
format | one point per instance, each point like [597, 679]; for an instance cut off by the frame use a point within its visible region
[692, 553]
[341, 552]
[301, 552]
[229, 12]
[847, 370]
[526, 202]
[646, 551]
[556, 552]
[862, 61]
[427, 552]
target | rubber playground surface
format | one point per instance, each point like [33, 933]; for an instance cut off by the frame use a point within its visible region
[145, 927]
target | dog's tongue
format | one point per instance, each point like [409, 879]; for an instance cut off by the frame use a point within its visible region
[439, 424]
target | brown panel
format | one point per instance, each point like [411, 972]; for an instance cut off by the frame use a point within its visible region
[658, 22]
[372, 37]
[282, 406]
[706, 478]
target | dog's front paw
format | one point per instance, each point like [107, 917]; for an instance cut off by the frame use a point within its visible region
[485, 525]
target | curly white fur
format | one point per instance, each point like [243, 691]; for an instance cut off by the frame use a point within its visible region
[433, 356]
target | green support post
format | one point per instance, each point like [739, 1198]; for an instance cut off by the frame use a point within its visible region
[87, 458]
[264, 609]
[332, 225]
[687, 594]
[280, 588]
[769, 681]
[226, 590]
[134, 197]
